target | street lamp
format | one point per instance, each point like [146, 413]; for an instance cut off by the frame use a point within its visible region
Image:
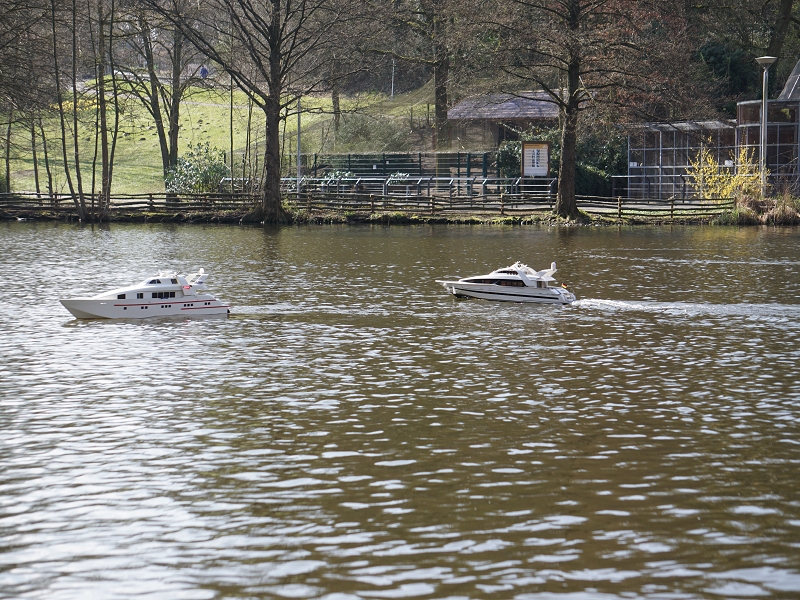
[765, 62]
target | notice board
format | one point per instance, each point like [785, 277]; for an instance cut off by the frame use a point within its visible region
[535, 159]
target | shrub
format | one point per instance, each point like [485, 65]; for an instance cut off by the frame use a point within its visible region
[738, 216]
[784, 212]
[509, 155]
[591, 181]
[712, 181]
[199, 170]
[4, 189]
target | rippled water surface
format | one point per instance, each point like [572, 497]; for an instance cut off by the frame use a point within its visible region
[351, 431]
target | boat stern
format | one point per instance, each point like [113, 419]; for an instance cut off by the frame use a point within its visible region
[565, 295]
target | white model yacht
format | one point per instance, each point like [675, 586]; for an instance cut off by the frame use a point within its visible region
[164, 295]
[517, 283]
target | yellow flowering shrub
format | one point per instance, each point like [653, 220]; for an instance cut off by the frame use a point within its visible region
[711, 180]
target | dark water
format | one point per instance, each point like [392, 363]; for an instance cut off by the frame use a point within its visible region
[351, 431]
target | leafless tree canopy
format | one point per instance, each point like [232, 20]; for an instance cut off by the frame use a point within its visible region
[608, 60]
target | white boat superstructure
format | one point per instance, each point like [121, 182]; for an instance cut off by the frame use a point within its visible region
[517, 283]
[164, 295]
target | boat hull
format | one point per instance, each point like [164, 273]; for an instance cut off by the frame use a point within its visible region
[93, 308]
[511, 294]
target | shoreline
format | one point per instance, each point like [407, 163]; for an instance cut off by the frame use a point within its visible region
[382, 218]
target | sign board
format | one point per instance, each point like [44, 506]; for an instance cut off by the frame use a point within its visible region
[535, 159]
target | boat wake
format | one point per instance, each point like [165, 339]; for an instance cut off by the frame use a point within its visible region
[688, 308]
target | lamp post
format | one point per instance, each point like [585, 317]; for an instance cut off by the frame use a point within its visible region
[765, 62]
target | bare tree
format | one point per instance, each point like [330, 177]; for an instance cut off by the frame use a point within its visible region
[586, 53]
[146, 38]
[419, 32]
[276, 51]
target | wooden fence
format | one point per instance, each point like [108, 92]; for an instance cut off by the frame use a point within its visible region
[427, 196]
[122, 203]
[513, 204]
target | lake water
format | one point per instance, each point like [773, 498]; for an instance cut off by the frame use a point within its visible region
[351, 431]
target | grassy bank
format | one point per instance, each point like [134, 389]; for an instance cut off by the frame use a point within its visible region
[209, 115]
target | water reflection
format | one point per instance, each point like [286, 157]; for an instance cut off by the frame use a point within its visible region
[351, 431]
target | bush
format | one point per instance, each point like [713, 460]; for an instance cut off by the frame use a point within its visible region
[508, 159]
[4, 188]
[738, 216]
[591, 181]
[712, 181]
[199, 170]
[784, 212]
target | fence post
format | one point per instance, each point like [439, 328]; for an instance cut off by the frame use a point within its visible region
[150, 202]
[619, 207]
[672, 209]
[372, 203]
[502, 205]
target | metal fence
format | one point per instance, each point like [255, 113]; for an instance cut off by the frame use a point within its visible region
[419, 164]
[428, 186]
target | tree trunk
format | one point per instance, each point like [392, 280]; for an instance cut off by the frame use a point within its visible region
[782, 21]
[154, 90]
[8, 152]
[441, 74]
[337, 111]
[34, 157]
[80, 206]
[75, 134]
[105, 177]
[175, 99]
[271, 210]
[271, 207]
[106, 207]
[566, 206]
[46, 159]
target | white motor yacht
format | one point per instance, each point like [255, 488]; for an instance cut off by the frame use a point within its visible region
[164, 295]
[517, 283]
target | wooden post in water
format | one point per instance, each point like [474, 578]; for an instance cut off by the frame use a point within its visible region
[619, 207]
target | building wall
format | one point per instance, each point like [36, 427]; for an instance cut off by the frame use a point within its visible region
[659, 154]
[782, 136]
